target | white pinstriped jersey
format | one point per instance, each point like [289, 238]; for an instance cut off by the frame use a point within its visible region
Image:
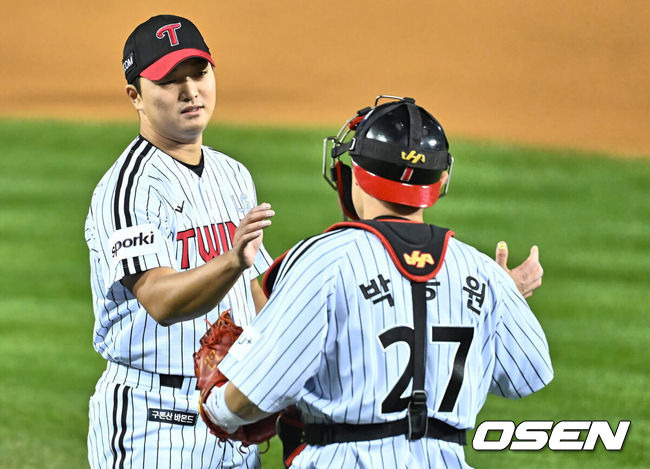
[149, 210]
[331, 340]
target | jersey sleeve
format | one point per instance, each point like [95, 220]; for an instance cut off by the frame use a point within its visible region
[134, 233]
[523, 363]
[282, 349]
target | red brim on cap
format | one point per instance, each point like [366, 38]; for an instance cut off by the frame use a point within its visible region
[397, 192]
[166, 64]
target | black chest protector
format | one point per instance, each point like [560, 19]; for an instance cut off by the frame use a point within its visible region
[417, 249]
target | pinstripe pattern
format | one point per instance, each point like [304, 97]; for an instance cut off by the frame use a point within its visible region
[162, 214]
[120, 435]
[319, 346]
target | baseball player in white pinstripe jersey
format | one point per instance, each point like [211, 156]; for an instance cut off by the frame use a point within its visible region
[383, 335]
[175, 238]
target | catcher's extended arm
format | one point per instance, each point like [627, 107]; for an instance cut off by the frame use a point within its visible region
[214, 346]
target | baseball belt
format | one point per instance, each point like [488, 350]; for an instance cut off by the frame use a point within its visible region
[172, 381]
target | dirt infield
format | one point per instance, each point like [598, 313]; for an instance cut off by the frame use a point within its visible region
[559, 73]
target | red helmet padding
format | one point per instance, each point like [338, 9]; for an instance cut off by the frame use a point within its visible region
[354, 122]
[397, 192]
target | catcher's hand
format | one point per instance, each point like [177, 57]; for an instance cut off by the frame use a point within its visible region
[528, 275]
[215, 344]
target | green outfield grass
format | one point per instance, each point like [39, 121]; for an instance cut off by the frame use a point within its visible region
[589, 214]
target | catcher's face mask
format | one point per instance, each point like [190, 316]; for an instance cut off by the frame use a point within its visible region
[398, 152]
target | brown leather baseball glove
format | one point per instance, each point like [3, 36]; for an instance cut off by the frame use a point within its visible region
[215, 344]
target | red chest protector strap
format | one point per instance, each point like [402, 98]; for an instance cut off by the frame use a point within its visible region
[271, 274]
[417, 249]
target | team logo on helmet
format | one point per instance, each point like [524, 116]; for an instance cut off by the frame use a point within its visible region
[419, 259]
[414, 157]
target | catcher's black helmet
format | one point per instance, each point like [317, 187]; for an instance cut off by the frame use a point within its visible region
[398, 152]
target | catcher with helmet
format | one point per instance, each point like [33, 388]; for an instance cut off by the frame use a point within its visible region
[383, 335]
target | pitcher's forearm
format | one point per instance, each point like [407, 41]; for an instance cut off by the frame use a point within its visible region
[170, 296]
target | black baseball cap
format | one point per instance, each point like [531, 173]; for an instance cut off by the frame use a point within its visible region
[156, 46]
